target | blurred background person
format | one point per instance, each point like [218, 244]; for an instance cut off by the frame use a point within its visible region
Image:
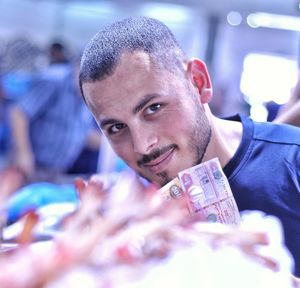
[57, 53]
[58, 60]
[53, 133]
[290, 112]
[19, 58]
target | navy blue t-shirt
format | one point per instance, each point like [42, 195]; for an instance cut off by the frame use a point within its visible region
[264, 175]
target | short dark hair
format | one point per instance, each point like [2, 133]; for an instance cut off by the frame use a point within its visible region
[57, 46]
[102, 54]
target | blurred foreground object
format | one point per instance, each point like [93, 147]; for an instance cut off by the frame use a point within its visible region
[129, 236]
[37, 195]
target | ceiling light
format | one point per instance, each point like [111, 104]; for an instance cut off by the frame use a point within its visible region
[234, 18]
[277, 21]
[167, 12]
[267, 78]
[91, 9]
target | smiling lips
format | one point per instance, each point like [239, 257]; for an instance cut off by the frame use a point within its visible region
[158, 164]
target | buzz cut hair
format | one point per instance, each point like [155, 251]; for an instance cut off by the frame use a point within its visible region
[102, 54]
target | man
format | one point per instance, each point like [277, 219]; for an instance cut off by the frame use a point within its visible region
[152, 105]
[52, 128]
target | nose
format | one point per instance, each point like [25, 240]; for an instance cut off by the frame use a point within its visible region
[143, 139]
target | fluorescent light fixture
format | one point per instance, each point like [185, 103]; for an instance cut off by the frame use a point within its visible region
[277, 21]
[91, 9]
[268, 78]
[234, 18]
[167, 12]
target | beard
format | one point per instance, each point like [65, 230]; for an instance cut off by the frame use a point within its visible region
[199, 139]
[198, 143]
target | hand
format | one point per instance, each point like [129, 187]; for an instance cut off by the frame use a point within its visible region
[25, 162]
[11, 180]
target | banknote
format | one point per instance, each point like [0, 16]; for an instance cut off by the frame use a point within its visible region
[206, 190]
[172, 190]
[223, 211]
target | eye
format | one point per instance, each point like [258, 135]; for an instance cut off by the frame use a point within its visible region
[116, 128]
[152, 109]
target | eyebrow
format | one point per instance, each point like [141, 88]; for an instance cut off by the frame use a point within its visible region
[108, 121]
[147, 98]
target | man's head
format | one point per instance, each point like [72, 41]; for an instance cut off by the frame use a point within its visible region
[103, 53]
[146, 97]
[57, 53]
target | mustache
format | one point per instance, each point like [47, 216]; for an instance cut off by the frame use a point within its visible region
[154, 154]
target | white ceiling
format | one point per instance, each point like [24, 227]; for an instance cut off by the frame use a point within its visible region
[287, 7]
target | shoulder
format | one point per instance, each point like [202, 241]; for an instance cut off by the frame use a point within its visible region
[277, 133]
[269, 132]
[56, 76]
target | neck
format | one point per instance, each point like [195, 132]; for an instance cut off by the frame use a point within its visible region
[225, 139]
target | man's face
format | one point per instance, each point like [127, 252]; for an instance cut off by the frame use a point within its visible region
[152, 118]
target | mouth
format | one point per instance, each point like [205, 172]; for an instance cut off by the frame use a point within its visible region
[159, 164]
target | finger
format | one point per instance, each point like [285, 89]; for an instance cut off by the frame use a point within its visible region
[26, 235]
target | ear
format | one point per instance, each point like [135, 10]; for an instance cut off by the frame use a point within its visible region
[199, 76]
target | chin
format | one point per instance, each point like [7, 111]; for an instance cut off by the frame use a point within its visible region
[148, 178]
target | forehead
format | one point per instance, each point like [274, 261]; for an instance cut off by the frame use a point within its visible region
[134, 77]
[131, 70]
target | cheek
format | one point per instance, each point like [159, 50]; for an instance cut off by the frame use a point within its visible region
[171, 120]
[179, 126]
[124, 151]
